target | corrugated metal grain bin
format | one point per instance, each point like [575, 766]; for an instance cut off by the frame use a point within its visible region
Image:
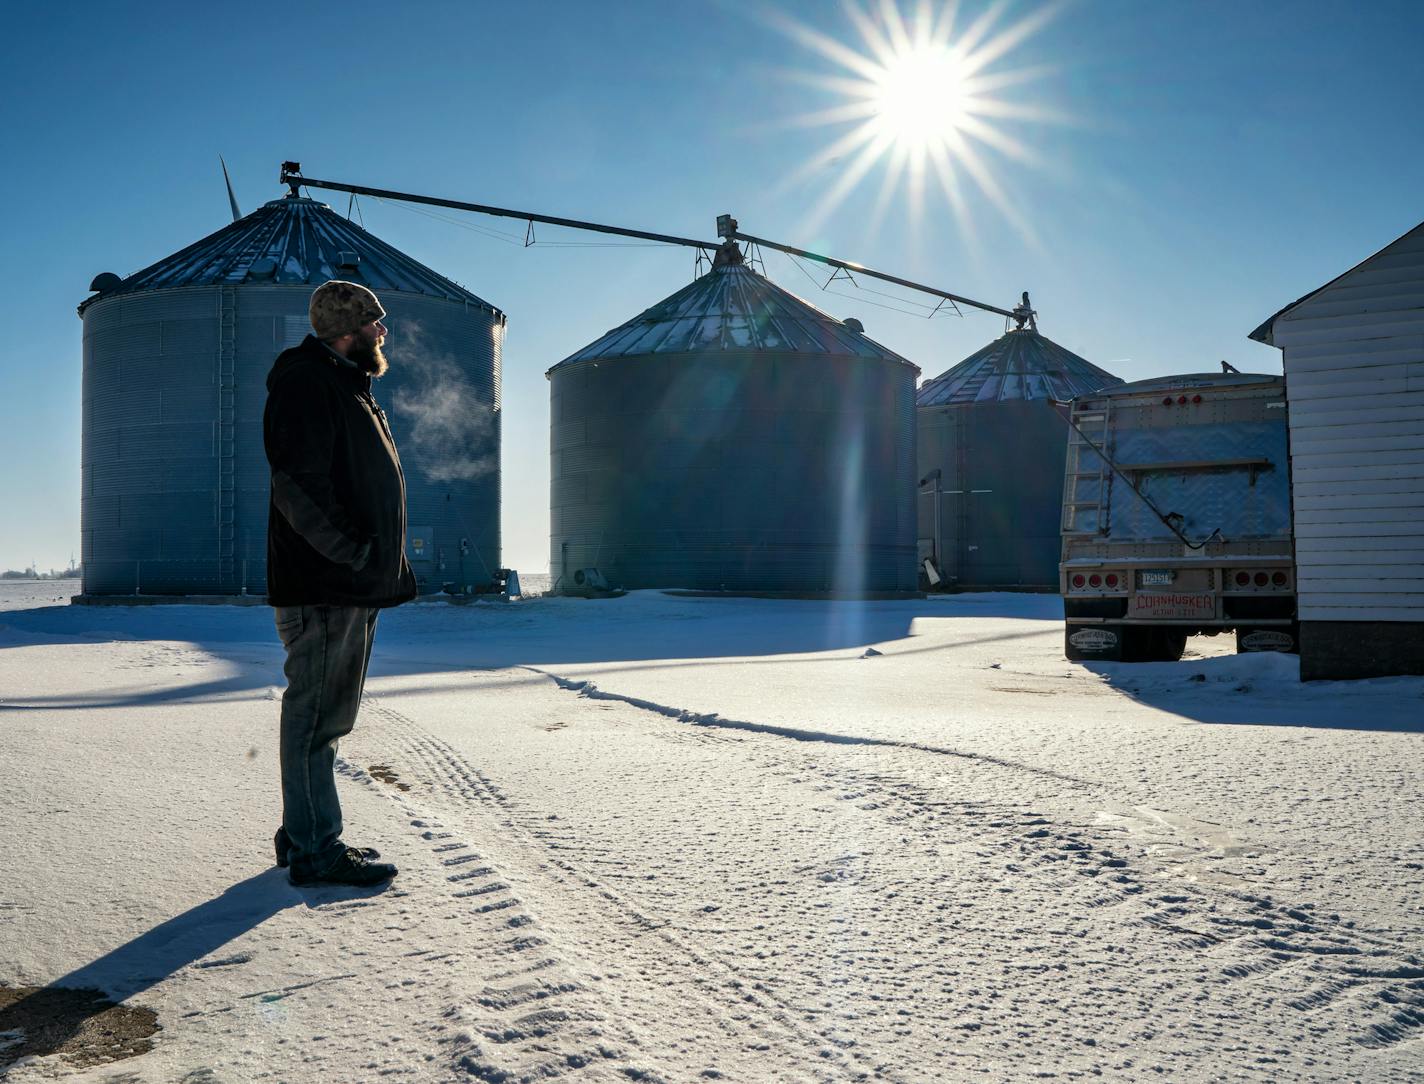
[734, 437]
[991, 453]
[176, 356]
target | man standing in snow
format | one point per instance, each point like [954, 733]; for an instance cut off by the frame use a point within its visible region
[335, 558]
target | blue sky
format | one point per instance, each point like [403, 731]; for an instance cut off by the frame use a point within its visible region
[1197, 166]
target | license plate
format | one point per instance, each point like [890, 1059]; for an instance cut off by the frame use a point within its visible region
[1158, 577]
[1172, 607]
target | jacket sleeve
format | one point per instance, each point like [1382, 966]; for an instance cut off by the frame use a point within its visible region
[299, 431]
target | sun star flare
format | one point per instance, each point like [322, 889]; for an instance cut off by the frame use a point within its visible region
[923, 101]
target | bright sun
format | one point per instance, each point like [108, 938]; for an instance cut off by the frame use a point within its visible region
[923, 100]
[921, 97]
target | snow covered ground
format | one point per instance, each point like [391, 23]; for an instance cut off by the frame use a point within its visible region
[677, 839]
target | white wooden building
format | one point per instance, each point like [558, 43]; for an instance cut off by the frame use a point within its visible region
[1354, 366]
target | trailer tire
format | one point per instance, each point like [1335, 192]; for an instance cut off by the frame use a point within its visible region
[1171, 644]
[1136, 643]
[1153, 643]
[1142, 644]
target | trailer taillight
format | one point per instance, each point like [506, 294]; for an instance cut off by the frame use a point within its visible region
[1263, 578]
[1166, 400]
[1078, 580]
[1112, 579]
[1095, 580]
[1196, 398]
[1181, 400]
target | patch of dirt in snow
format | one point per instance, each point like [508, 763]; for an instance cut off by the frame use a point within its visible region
[383, 774]
[83, 1027]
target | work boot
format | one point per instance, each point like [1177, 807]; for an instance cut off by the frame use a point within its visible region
[352, 868]
[282, 843]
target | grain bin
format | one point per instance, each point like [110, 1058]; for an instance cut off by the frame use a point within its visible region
[175, 480]
[733, 437]
[991, 449]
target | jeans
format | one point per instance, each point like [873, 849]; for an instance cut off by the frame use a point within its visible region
[328, 650]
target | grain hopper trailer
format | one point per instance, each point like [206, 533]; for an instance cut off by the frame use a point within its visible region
[1177, 518]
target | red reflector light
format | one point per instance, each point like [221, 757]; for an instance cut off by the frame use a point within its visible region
[1196, 398]
[1262, 579]
[1242, 579]
[1181, 400]
[1078, 580]
[1112, 579]
[1095, 580]
[1166, 400]
[1278, 578]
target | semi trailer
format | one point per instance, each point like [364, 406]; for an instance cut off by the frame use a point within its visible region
[1177, 518]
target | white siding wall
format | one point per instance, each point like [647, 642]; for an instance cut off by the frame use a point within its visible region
[1354, 364]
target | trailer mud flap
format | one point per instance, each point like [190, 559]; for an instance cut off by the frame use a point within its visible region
[1086, 643]
[1275, 638]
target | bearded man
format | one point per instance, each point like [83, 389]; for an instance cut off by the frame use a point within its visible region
[335, 559]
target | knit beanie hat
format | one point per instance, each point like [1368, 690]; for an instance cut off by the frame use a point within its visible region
[338, 308]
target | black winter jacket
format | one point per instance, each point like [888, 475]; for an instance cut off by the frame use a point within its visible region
[336, 525]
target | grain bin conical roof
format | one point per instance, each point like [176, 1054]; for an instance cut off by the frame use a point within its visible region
[732, 309]
[290, 242]
[1020, 365]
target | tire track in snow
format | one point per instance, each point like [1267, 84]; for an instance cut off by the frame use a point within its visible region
[1036, 838]
[832, 1035]
[1253, 937]
[712, 719]
[1321, 964]
[1314, 962]
[741, 1009]
[525, 1015]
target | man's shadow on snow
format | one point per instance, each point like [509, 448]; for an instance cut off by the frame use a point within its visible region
[58, 1018]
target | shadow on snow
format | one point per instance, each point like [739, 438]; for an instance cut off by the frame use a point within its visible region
[644, 627]
[1264, 689]
[128, 970]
